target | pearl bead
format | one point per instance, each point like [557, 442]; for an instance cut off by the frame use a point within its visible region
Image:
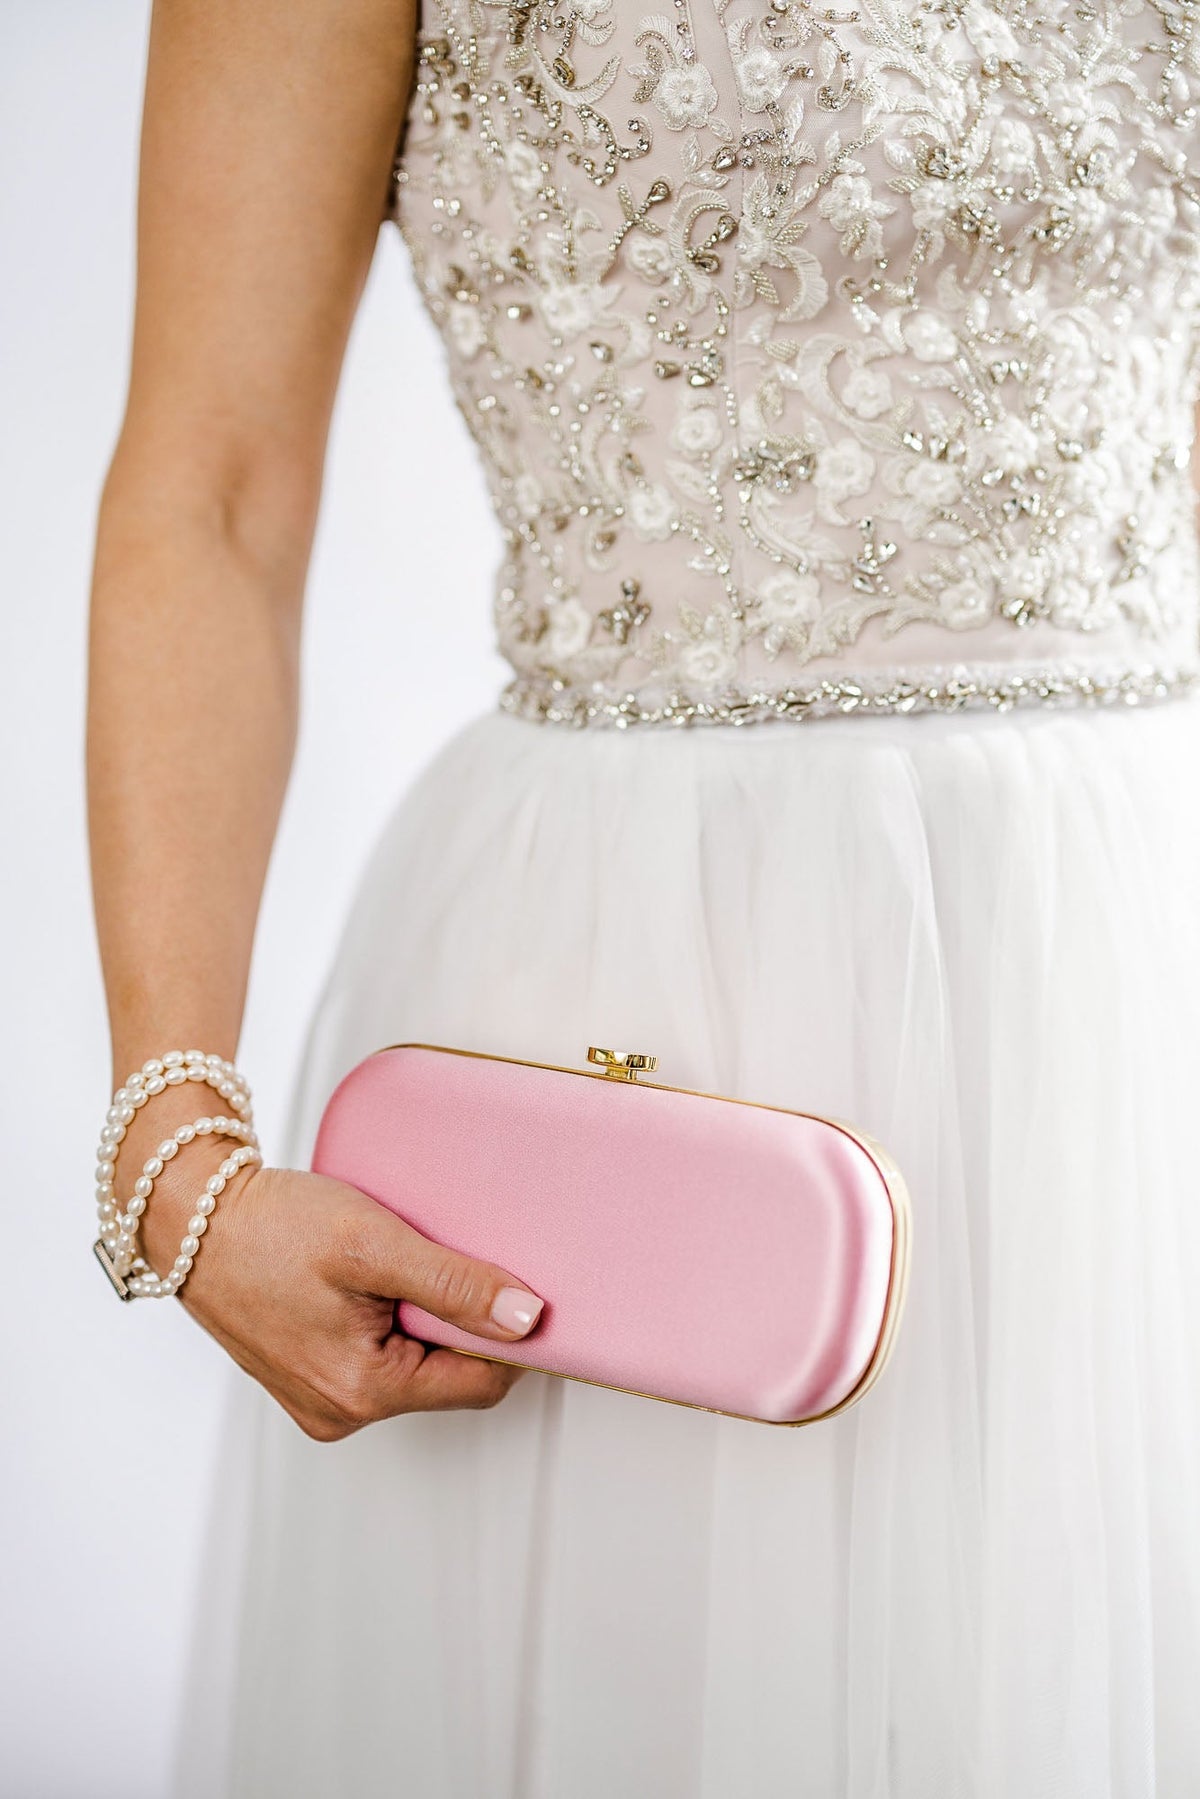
[119, 1230]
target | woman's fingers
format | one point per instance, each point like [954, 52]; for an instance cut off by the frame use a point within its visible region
[403, 1376]
[389, 1258]
[443, 1380]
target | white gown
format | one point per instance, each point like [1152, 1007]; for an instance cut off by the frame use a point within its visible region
[834, 371]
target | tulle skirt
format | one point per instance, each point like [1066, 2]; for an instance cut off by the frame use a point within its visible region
[979, 937]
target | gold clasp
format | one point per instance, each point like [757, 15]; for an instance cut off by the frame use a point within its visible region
[622, 1064]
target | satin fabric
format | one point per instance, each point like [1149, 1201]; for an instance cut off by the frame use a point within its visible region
[741, 1258]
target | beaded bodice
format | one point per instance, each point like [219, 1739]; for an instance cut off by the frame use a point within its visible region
[821, 356]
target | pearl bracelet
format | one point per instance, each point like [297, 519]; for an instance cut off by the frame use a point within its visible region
[115, 1247]
[118, 1230]
[172, 1070]
[152, 1286]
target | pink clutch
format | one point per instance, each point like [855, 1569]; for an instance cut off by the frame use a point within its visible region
[708, 1251]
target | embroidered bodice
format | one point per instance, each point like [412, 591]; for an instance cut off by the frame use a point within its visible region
[821, 356]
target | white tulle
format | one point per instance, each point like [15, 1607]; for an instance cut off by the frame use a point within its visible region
[979, 937]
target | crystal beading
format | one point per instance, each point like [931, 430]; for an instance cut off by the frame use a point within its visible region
[797, 337]
[951, 690]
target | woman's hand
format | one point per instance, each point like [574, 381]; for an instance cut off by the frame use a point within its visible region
[298, 1280]
[297, 1277]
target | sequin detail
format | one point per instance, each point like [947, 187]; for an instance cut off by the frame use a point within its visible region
[951, 690]
[798, 335]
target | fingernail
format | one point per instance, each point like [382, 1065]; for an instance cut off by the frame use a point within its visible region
[516, 1309]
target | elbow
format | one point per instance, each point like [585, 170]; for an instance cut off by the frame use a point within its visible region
[250, 510]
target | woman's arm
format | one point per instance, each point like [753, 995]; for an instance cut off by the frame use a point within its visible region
[267, 142]
[268, 138]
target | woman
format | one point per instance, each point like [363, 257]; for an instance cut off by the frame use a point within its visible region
[831, 369]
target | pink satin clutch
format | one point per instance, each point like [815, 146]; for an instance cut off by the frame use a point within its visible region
[708, 1251]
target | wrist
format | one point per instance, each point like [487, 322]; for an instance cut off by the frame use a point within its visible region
[179, 1130]
[165, 1220]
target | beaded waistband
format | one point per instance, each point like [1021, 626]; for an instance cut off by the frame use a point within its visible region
[890, 692]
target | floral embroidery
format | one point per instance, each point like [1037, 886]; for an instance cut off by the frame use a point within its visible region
[787, 331]
[685, 97]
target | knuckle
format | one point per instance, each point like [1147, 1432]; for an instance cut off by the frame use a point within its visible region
[321, 1427]
[493, 1389]
[357, 1403]
[353, 1243]
[344, 1402]
[457, 1288]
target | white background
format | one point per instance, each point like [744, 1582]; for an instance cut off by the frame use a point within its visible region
[109, 1414]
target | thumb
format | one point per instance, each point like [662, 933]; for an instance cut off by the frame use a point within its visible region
[476, 1296]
